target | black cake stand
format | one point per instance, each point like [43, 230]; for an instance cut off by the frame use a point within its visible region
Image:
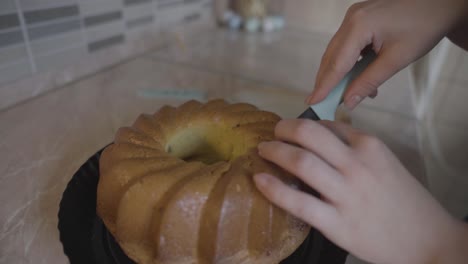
[85, 239]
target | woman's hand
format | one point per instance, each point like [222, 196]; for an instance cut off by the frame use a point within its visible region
[370, 205]
[399, 31]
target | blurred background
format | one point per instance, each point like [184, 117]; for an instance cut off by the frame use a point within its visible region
[73, 71]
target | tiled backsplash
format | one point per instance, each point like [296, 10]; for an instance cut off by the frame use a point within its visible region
[43, 36]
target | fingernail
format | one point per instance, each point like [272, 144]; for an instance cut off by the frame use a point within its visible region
[353, 101]
[309, 99]
[262, 179]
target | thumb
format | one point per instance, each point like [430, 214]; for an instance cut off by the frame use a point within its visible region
[383, 68]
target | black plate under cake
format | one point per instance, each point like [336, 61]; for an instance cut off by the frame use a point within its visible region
[85, 238]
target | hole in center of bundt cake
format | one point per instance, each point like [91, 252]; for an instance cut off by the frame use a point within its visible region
[204, 144]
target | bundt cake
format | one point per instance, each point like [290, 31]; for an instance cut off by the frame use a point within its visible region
[177, 187]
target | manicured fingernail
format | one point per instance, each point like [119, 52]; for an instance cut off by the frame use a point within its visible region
[353, 101]
[262, 179]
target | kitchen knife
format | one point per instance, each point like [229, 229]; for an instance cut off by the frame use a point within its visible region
[325, 110]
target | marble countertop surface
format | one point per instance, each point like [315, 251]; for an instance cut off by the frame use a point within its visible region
[45, 140]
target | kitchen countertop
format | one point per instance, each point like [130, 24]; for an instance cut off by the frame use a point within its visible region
[44, 140]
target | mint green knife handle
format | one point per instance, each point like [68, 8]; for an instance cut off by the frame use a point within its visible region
[326, 109]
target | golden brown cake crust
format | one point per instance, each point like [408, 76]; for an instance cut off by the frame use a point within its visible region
[176, 187]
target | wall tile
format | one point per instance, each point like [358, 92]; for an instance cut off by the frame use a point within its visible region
[192, 1]
[60, 33]
[141, 21]
[207, 4]
[10, 38]
[107, 42]
[29, 5]
[169, 4]
[33, 85]
[7, 6]
[135, 2]
[9, 21]
[57, 42]
[136, 11]
[48, 14]
[39, 32]
[107, 17]
[95, 7]
[14, 71]
[60, 59]
[170, 16]
[193, 16]
[105, 30]
[13, 53]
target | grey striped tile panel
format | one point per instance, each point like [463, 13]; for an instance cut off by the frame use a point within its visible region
[191, 1]
[11, 38]
[166, 4]
[43, 15]
[58, 42]
[9, 21]
[207, 4]
[103, 43]
[7, 6]
[61, 59]
[192, 17]
[54, 29]
[15, 71]
[102, 18]
[140, 21]
[135, 2]
[12, 54]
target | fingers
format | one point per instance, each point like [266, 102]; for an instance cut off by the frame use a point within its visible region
[343, 131]
[385, 66]
[305, 165]
[364, 146]
[306, 207]
[317, 139]
[340, 56]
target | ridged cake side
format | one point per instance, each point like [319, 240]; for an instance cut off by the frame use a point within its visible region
[176, 187]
